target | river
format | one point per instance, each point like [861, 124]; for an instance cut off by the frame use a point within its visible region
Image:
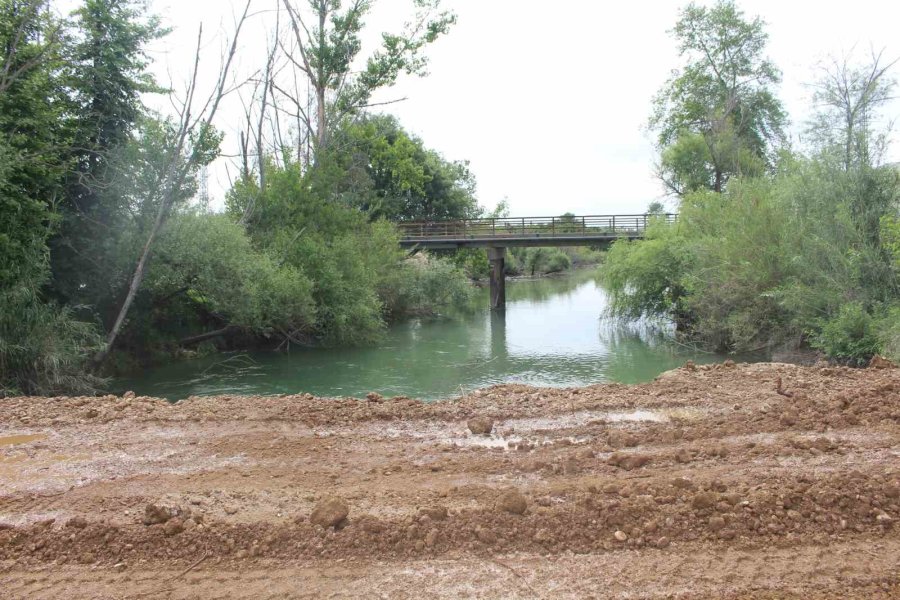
[553, 333]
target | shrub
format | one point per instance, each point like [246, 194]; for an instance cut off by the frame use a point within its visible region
[44, 350]
[850, 336]
[427, 285]
[766, 262]
[557, 262]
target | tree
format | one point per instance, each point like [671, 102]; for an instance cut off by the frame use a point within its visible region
[718, 116]
[194, 143]
[42, 347]
[849, 97]
[106, 74]
[391, 174]
[326, 43]
[656, 208]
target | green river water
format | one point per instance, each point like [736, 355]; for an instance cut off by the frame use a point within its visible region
[553, 333]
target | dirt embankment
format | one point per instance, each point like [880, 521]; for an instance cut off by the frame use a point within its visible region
[764, 481]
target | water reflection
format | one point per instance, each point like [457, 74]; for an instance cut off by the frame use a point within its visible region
[552, 333]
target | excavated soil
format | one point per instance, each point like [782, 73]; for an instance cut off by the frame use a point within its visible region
[726, 481]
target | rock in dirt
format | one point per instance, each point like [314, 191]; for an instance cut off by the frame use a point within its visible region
[628, 461]
[435, 513]
[481, 425]
[789, 418]
[880, 362]
[684, 456]
[704, 500]
[374, 397]
[683, 483]
[330, 513]
[512, 501]
[620, 536]
[716, 523]
[621, 439]
[173, 527]
[77, 522]
[154, 515]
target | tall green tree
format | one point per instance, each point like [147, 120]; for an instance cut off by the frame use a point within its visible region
[718, 115]
[391, 174]
[107, 73]
[42, 348]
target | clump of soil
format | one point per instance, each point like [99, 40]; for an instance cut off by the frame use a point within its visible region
[330, 513]
[513, 502]
[481, 425]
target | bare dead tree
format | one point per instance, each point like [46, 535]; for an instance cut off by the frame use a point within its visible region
[850, 94]
[194, 126]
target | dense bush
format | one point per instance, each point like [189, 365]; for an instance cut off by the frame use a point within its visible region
[849, 336]
[355, 266]
[426, 285]
[537, 261]
[769, 261]
[44, 350]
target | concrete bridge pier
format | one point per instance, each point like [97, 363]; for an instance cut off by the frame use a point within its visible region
[497, 260]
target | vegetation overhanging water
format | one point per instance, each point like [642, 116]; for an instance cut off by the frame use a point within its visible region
[553, 333]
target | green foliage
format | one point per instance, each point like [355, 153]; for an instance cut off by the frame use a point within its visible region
[849, 97]
[210, 261]
[656, 208]
[44, 350]
[355, 266]
[558, 262]
[582, 255]
[718, 117]
[849, 336]
[390, 174]
[105, 74]
[645, 277]
[473, 262]
[537, 261]
[769, 261]
[424, 286]
[328, 49]
[889, 332]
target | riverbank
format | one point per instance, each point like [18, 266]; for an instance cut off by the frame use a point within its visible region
[551, 334]
[715, 481]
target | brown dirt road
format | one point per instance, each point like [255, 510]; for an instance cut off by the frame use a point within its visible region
[730, 481]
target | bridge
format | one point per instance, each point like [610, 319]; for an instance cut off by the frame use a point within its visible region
[498, 234]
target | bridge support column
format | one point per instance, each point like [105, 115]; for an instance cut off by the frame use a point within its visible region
[497, 260]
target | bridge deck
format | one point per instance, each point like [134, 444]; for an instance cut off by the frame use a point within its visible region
[526, 231]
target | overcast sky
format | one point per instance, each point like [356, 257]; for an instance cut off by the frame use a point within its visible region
[549, 101]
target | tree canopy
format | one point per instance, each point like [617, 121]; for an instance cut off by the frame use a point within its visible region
[718, 115]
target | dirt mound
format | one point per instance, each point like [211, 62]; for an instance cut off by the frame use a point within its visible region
[735, 462]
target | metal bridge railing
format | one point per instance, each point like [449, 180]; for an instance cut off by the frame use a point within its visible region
[558, 227]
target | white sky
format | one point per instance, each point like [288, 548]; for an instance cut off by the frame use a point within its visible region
[549, 101]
